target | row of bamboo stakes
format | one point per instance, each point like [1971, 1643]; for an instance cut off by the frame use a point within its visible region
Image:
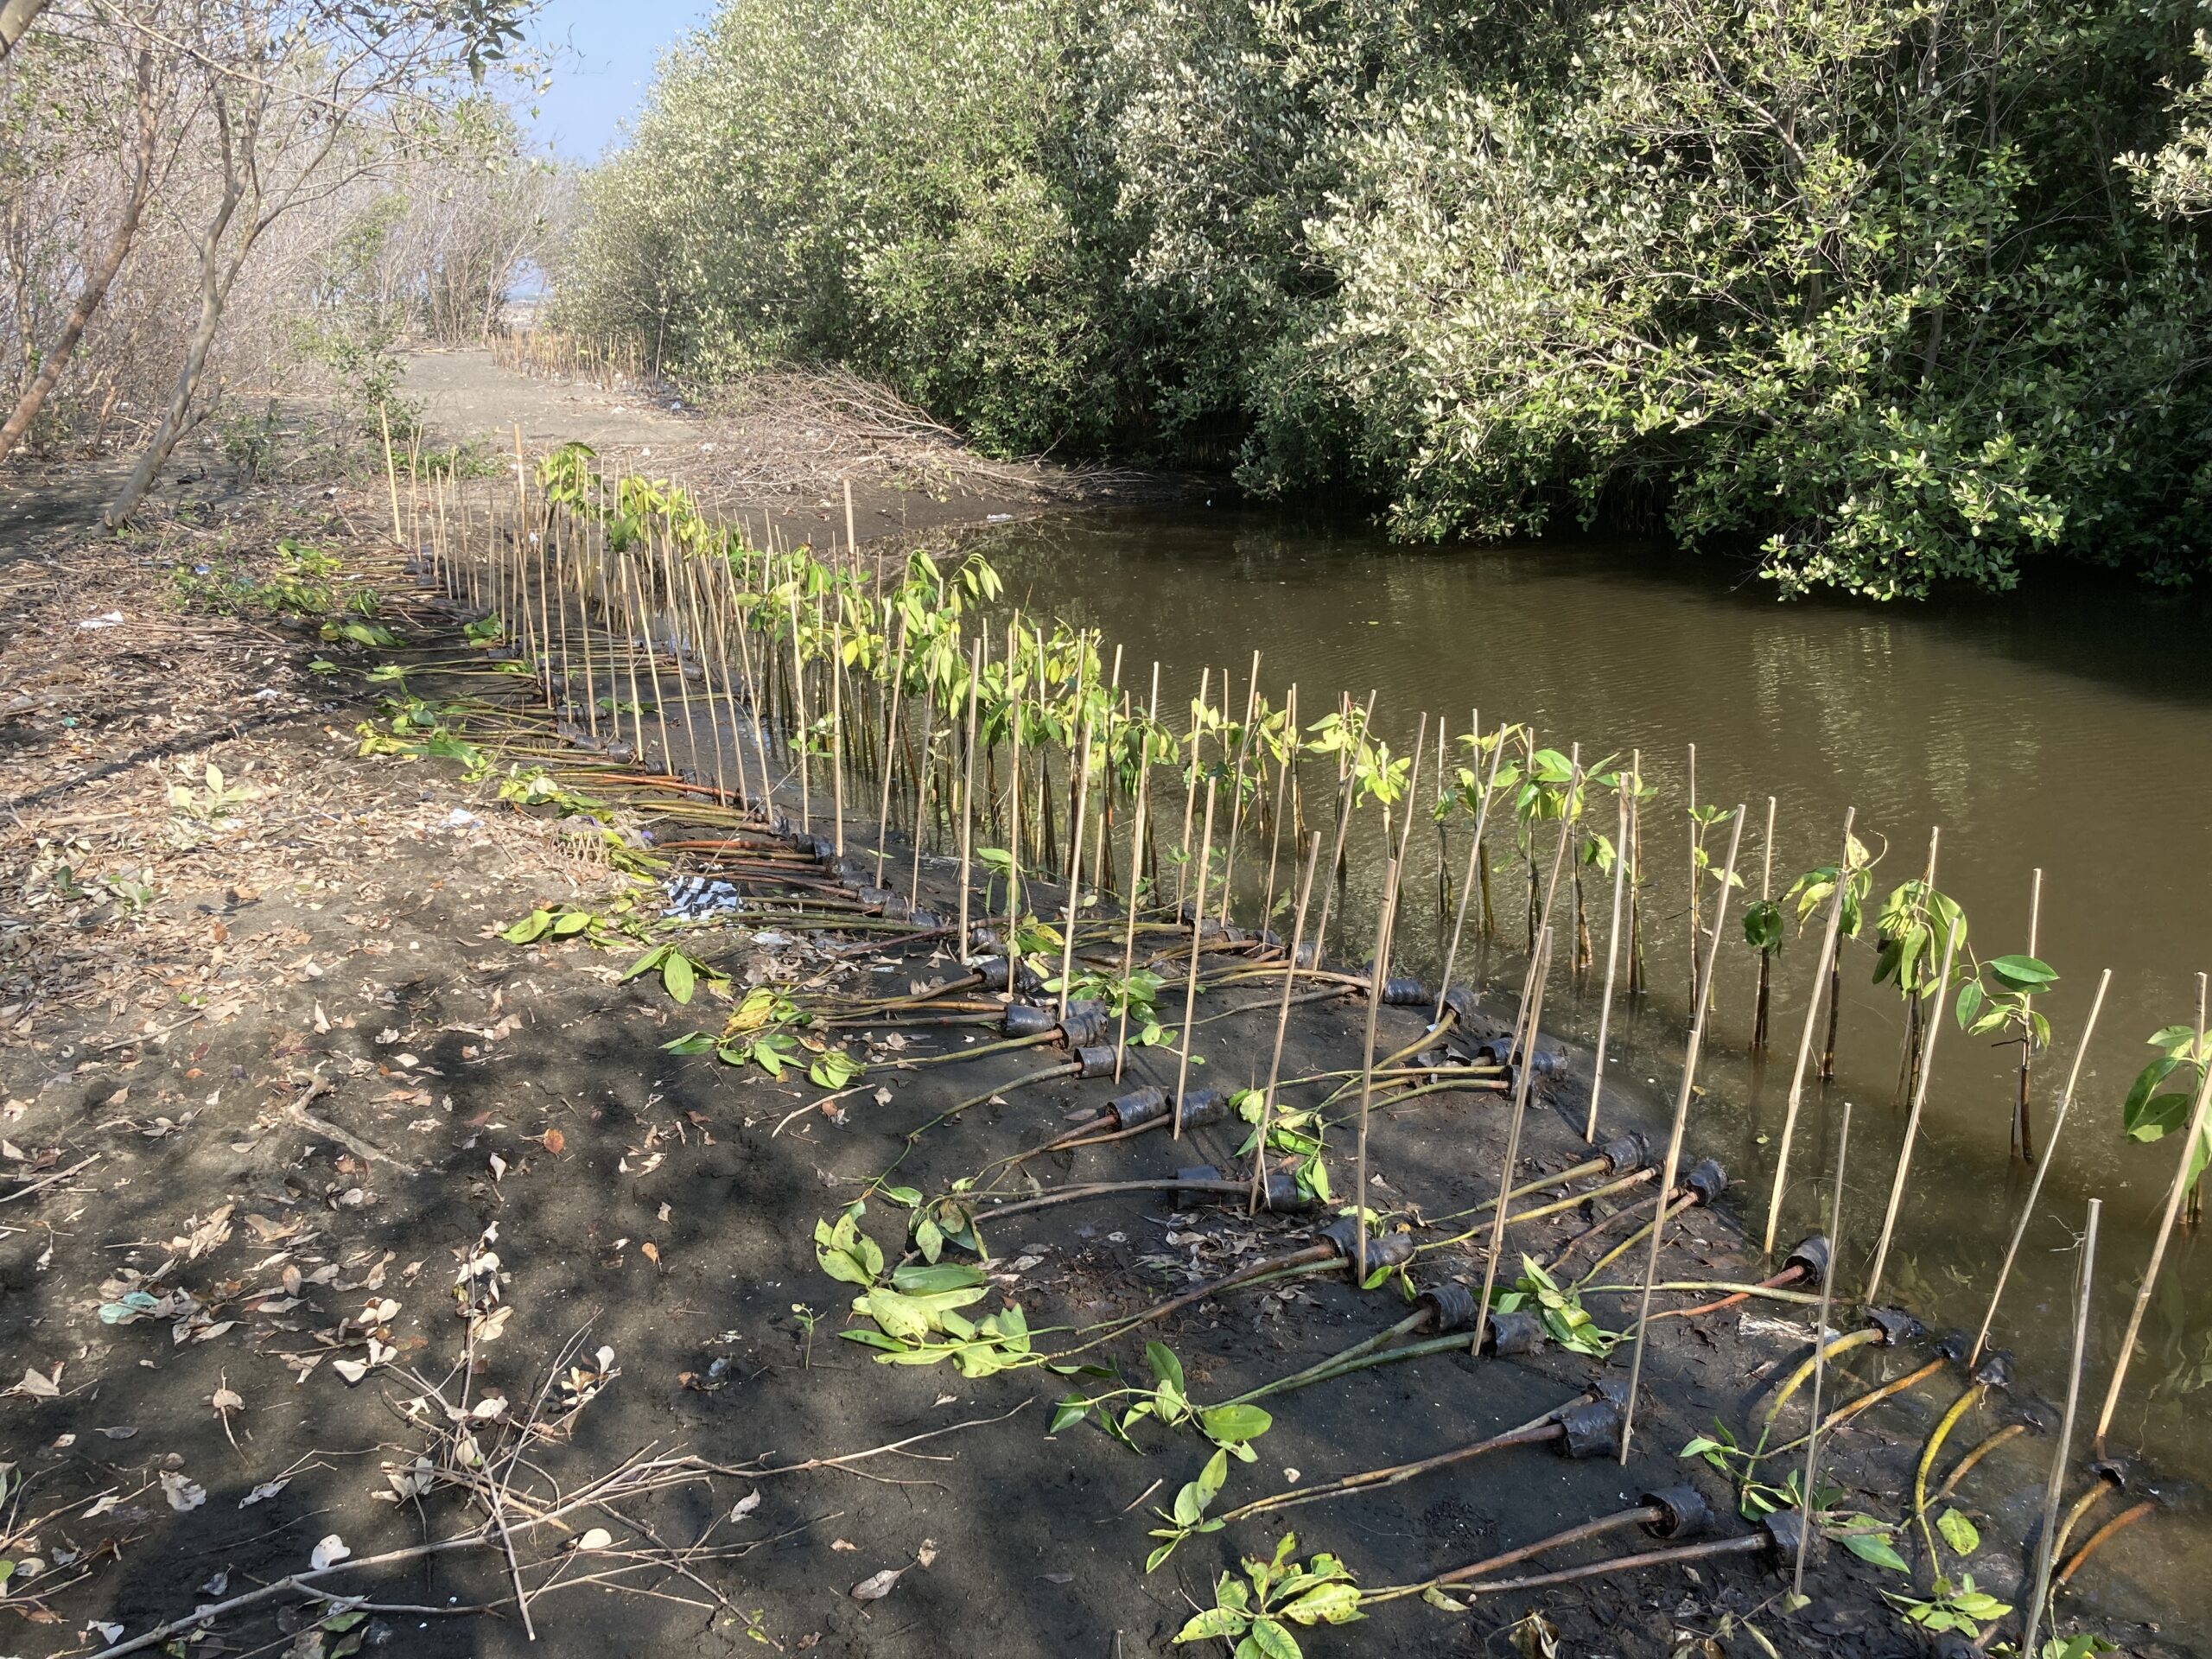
[580, 604]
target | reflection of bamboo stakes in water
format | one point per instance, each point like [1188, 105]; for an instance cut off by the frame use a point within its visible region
[2189, 1145]
[1191, 982]
[1540, 972]
[1282, 1021]
[2062, 1453]
[1912, 1130]
[1236, 791]
[1766, 960]
[1190, 794]
[1812, 1020]
[1345, 789]
[967, 791]
[1378, 976]
[1612, 960]
[2035, 1187]
[1474, 851]
[1807, 1505]
[1138, 821]
[890, 742]
[2020, 1138]
[1673, 1161]
[1075, 843]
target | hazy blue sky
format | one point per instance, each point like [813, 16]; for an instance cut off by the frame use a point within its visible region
[601, 77]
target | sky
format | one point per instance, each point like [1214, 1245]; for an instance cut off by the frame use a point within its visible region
[605, 51]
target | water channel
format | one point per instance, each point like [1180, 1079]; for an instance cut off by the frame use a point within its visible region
[2067, 729]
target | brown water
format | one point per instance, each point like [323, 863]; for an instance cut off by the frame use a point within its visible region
[2069, 731]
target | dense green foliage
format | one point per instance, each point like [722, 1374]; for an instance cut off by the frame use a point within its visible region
[1897, 293]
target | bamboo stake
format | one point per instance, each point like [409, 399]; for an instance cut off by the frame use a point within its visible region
[1236, 791]
[1541, 973]
[1805, 1043]
[1807, 1507]
[1674, 1140]
[1343, 825]
[837, 733]
[1474, 852]
[1282, 1027]
[967, 789]
[2181, 1186]
[1190, 794]
[390, 476]
[1013, 795]
[2062, 1453]
[924, 791]
[2020, 1141]
[1911, 1128]
[1136, 865]
[1521, 1028]
[1766, 963]
[2034, 1187]
[890, 740]
[798, 702]
[1274, 817]
[1191, 982]
[1075, 841]
[1376, 974]
[1612, 959]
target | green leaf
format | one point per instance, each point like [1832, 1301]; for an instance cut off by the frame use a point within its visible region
[1335, 1603]
[647, 963]
[1070, 1411]
[1875, 1548]
[1216, 1623]
[2022, 972]
[1268, 1640]
[1234, 1425]
[1163, 1365]
[1958, 1533]
[678, 975]
[935, 1280]
[530, 928]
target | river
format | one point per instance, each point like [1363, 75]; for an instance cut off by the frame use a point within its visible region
[2067, 728]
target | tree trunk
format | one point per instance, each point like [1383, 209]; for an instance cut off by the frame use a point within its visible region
[15, 19]
[96, 281]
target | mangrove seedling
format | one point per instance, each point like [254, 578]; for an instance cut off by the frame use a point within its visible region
[1252, 1614]
[2153, 1111]
[2009, 1007]
[680, 971]
[1231, 1427]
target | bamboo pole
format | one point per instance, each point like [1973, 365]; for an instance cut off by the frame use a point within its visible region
[1282, 1027]
[1191, 981]
[1812, 1022]
[2181, 1186]
[1377, 972]
[1191, 793]
[1807, 1508]
[1474, 853]
[2062, 1453]
[1136, 867]
[1075, 839]
[1236, 791]
[2020, 1137]
[1911, 1125]
[1541, 973]
[1674, 1143]
[2035, 1187]
[890, 740]
[1612, 960]
[967, 790]
[1766, 961]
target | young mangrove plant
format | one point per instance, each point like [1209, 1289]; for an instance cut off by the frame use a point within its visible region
[1252, 1614]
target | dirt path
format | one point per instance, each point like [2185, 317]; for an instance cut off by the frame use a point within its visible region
[776, 460]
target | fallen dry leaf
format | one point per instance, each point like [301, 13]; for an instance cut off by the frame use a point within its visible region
[875, 1588]
[332, 1550]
